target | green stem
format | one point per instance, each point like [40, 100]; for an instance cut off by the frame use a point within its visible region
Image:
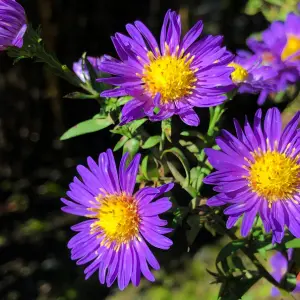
[247, 251]
[63, 71]
[179, 178]
[263, 271]
[215, 115]
[34, 48]
[163, 138]
[175, 173]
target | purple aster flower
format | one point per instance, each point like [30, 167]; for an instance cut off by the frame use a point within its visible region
[250, 76]
[170, 78]
[120, 222]
[258, 172]
[12, 24]
[279, 264]
[280, 49]
[84, 74]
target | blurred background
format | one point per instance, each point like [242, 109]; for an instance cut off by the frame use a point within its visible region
[36, 168]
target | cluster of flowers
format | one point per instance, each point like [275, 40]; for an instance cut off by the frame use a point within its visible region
[257, 171]
[178, 74]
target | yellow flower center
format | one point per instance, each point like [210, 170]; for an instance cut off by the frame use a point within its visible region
[292, 46]
[239, 74]
[118, 219]
[169, 75]
[274, 176]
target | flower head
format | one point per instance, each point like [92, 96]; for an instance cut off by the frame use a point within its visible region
[250, 76]
[82, 71]
[258, 172]
[120, 222]
[170, 78]
[13, 24]
[280, 49]
[279, 263]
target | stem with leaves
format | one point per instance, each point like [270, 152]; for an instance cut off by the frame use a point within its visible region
[221, 226]
[33, 48]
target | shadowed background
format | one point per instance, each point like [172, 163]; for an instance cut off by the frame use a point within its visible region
[35, 167]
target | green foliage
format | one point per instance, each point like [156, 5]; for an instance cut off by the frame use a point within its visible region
[235, 288]
[132, 147]
[183, 160]
[33, 48]
[177, 156]
[151, 142]
[121, 142]
[149, 168]
[78, 95]
[272, 9]
[194, 221]
[295, 243]
[113, 104]
[87, 126]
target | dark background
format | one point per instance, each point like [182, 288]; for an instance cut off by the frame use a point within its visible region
[35, 167]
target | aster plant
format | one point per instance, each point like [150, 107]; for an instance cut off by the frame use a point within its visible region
[120, 222]
[173, 76]
[243, 185]
[279, 48]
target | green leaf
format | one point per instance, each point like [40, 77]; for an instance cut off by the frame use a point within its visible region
[78, 95]
[287, 295]
[178, 153]
[229, 249]
[122, 130]
[192, 147]
[133, 126]
[121, 143]
[132, 146]
[236, 287]
[150, 168]
[123, 100]
[195, 224]
[110, 104]
[151, 142]
[196, 177]
[87, 126]
[144, 167]
[295, 243]
[166, 126]
[193, 133]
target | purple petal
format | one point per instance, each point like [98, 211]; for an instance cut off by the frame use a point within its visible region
[156, 208]
[155, 239]
[136, 270]
[190, 118]
[272, 125]
[248, 219]
[128, 175]
[147, 35]
[192, 35]
[143, 262]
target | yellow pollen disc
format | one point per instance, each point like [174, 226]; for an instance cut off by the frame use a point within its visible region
[274, 176]
[239, 74]
[292, 46]
[118, 219]
[171, 76]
